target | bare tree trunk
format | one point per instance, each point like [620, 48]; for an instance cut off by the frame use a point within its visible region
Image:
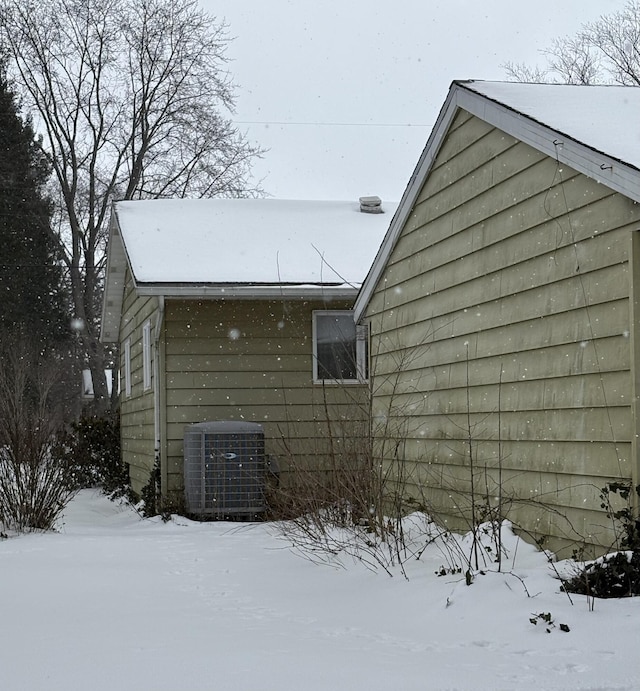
[98, 366]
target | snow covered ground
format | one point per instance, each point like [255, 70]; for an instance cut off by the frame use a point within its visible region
[112, 601]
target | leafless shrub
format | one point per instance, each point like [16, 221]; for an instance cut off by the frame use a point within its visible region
[349, 496]
[34, 487]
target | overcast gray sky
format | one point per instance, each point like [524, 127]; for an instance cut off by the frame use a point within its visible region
[344, 93]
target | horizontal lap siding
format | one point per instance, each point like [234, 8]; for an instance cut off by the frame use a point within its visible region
[251, 361]
[137, 411]
[502, 321]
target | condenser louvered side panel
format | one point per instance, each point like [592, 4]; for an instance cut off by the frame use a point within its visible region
[224, 469]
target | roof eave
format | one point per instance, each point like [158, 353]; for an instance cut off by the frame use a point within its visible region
[117, 264]
[238, 291]
[620, 176]
[617, 175]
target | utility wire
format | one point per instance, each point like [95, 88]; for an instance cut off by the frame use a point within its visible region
[328, 124]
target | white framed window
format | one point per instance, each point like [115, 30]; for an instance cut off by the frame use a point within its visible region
[340, 349]
[146, 356]
[127, 367]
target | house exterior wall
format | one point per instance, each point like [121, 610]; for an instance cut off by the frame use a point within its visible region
[137, 424]
[501, 349]
[250, 361]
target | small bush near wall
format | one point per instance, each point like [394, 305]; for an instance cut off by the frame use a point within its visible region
[150, 494]
[616, 574]
[90, 452]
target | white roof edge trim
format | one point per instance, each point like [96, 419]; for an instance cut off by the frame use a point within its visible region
[430, 151]
[113, 296]
[606, 170]
[244, 292]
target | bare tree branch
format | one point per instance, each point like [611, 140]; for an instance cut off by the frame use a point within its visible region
[606, 51]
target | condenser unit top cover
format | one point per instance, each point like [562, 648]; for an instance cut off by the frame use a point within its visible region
[225, 427]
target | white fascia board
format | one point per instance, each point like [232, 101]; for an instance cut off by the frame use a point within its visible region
[114, 285]
[430, 151]
[249, 292]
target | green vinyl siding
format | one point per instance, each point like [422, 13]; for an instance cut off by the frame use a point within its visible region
[137, 411]
[501, 328]
[252, 361]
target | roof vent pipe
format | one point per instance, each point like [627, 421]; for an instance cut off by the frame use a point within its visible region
[371, 205]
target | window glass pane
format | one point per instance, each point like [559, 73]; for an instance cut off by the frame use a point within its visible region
[336, 346]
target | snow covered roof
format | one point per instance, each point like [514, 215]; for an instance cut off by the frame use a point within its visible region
[593, 129]
[266, 241]
[239, 248]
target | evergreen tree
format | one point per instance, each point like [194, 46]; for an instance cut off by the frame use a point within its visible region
[32, 301]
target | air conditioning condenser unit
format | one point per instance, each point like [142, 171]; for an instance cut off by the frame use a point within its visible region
[224, 469]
